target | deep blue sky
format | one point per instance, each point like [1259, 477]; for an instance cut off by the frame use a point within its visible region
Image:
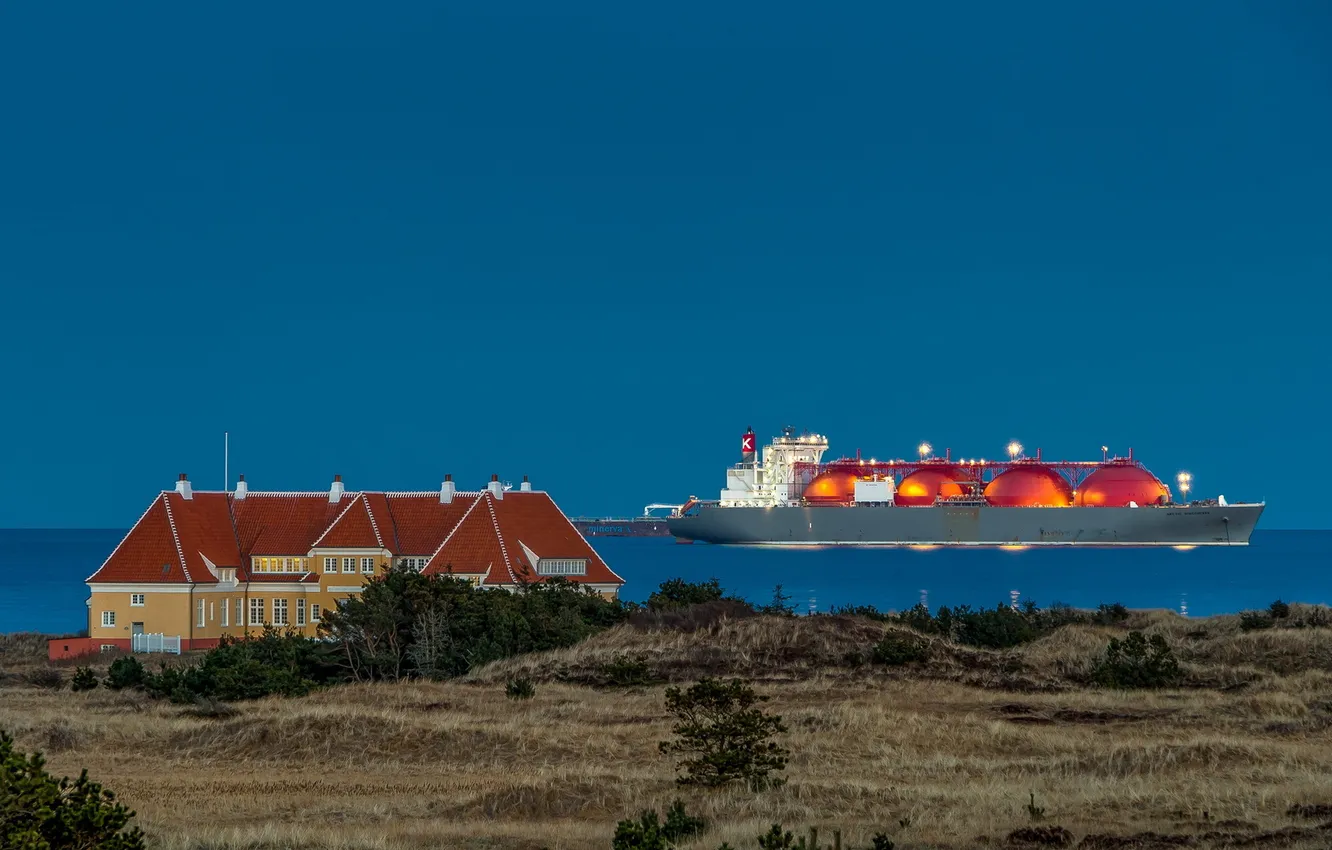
[593, 244]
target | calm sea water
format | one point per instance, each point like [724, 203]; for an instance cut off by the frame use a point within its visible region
[42, 573]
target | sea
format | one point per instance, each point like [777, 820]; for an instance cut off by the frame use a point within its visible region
[42, 573]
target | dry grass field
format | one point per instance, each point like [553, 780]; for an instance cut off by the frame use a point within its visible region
[943, 756]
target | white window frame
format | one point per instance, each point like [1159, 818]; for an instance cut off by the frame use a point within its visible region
[348, 565]
[562, 566]
[280, 612]
[330, 564]
[108, 619]
[108, 647]
[314, 612]
[203, 610]
[300, 612]
[367, 566]
[256, 606]
[240, 611]
[137, 600]
[226, 612]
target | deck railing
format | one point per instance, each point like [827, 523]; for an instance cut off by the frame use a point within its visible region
[155, 643]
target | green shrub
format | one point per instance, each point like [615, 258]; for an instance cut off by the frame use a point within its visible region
[678, 593]
[84, 680]
[1278, 610]
[40, 812]
[780, 606]
[125, 672]
[1255, 620]
[274, 663]
[405, 624]
[648, 833]
[723, 736]
[519, 689]
[897, 649]
[624, 671]
[1136, 662]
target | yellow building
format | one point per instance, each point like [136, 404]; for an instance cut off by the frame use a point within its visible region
[198, 565]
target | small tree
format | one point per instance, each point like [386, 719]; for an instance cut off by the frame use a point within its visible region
[678, 593]
[125, 672]
[723, 735]
[1136, 662]
[84, 680]
[649, 833]
[44, 813]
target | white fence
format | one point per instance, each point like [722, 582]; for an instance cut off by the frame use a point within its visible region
[155, 643]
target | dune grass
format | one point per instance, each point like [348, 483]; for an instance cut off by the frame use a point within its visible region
[945, 754]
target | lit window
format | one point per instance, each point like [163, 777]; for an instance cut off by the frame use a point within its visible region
[286, 565]
[367, 565]
[349, 565]
[254, 564]
[562, 567]
[300, 612]
[314, 613]
[226, 612]
[330, 565]
[280, 612]
[108, 618]
[136, 599]
[256, 612]
[202, 610]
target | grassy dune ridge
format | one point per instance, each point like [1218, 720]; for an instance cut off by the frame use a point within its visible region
[943, 754]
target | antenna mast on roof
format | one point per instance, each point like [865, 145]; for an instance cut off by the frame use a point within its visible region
[226, 461]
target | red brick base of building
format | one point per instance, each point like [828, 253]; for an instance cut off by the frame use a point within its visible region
[65, 648]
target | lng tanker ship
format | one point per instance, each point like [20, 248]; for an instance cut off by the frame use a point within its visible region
[789, 496]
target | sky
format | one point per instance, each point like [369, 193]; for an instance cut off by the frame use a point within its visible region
[593, 242]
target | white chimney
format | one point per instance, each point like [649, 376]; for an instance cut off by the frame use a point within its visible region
[495, 487]
[335, 492]
[446, 490]
[241, 488]
[183, 487]
[526, 486]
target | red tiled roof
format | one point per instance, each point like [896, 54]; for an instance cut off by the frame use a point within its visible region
[353, 529]
[381, 519]
[493, 533]
[473, 546]
[421, 521]
[283, 523]
[204, 530]
[176, 538]
[171, 540]
[148, 552]
[532, 519]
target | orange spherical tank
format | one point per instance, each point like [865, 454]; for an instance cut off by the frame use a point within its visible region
[1028, 486]
[1116, 486]
[924, 485]
[833, 485]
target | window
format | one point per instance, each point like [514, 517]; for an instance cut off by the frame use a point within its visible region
[240, 611]
[300, 612]
[562, 567]
[280, 612]
[314, 613]
[256, 612]
[201, 612]
[136, 599]
[349, 565]
[226, 612]
[108, 618]
[107, 647]
[367, 565]
[330, 565]
[417, 564]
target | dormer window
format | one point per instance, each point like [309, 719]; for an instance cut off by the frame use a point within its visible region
[562, 567]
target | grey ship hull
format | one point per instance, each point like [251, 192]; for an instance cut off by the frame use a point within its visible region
[867, 525]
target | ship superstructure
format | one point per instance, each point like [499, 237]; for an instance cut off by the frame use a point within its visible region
[789, 495]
